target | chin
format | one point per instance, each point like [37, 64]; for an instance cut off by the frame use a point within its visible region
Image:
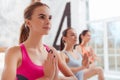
[46, 33]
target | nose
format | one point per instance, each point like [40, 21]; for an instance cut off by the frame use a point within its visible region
[48, 21]
[75, 36]
[89, 37]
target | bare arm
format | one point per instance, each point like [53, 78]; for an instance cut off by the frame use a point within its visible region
[68, 75]
[93, 55]
[65, 69]
[44, 78]
[50, 67]
[76, 69]
[78, 49]
[10, 65]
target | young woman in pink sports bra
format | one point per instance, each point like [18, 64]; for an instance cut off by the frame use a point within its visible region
[82, 48]
[32, 60]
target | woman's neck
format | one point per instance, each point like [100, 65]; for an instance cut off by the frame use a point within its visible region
[34, 42]
[69, 48]
[83, 44]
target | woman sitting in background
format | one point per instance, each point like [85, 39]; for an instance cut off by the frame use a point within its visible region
[78, 63]
[72, 58]
[84, 49]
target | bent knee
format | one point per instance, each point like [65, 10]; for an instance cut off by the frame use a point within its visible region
[99, 70]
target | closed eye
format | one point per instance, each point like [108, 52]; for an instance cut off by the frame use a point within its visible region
[50, 17]
[42, 16]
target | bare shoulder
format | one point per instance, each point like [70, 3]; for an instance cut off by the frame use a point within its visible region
[90, 48]
[77, 47]
[61, 54]
[13, 52]
[11, 60]
[13, 49]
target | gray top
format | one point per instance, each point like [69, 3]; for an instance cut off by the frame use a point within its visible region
[72, 61]
[75, 63]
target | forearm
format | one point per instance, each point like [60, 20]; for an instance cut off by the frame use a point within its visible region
[10, 76]
[76, 69]
[44, 78]
[66, 78]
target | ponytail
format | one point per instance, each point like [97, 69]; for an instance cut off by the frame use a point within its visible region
[82, 34]
[62, 44]
[64, 34]
[24, 33]
[80, 39]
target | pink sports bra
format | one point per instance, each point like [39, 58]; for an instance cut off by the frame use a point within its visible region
[28, 70]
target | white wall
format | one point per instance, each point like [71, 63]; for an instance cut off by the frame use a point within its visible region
[11, 18]
[78, 16]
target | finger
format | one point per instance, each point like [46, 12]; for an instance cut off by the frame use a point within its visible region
[50, 54]
[56, 64]
[85, 55]
[53, 59]
[54, 51]
[53, 64]
[44, 64]
[50, 51]
[53, 56]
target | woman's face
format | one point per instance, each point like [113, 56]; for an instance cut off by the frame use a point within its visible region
[87, 37]
[40, 22]
[71, 37]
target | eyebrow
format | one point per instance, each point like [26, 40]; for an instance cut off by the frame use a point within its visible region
[41, 15]
[73, 33]
[44, 15]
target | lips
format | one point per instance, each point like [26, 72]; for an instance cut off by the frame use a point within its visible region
[75, 39]
[47, 28]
